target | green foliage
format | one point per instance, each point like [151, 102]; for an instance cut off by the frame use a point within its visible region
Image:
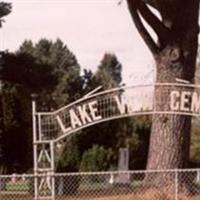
[23, 69]
[142, 127]
[94, 159]
[108, 74]
[5, 9]
[70, 157]
[69, 161]
[47, 68]
[68, 89]
[52, 53]
[15, 130]
[111, 66]
[65, 69]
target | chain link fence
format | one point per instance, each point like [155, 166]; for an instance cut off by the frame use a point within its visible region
[129, 185]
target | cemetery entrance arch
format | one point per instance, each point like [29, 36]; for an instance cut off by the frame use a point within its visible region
[49, 128]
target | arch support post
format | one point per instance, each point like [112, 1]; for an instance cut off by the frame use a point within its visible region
[43, 152]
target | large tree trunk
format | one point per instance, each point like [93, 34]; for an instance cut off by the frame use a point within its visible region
[175, 56]
[170, 134]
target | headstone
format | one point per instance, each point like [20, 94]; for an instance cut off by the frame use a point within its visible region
[60, 186]
[123, 165]
[123, 161]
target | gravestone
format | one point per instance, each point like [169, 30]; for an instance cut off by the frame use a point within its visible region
[123, 167]
[123, 162]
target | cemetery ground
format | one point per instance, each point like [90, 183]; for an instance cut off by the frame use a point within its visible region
[151, 195]
[23, 190]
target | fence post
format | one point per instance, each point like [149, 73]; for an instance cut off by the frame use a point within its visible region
[34, 146]
[176, 184]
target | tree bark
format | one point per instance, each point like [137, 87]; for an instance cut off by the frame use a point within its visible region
[176, 58]
[170, 134]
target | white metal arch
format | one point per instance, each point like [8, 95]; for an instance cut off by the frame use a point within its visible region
[51, 127]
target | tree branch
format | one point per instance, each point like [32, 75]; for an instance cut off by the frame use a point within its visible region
[160, 29]
[153, 3]
[133, 8]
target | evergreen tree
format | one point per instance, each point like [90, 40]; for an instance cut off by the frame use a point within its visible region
[47, 68]
[109, 71]
[5, 9]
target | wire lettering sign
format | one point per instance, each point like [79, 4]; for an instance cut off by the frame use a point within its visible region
[117, 103]
[93, 109]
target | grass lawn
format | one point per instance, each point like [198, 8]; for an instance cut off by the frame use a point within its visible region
[17, 186]
[20, 191]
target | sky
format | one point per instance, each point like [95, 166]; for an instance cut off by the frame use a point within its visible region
[89, 28]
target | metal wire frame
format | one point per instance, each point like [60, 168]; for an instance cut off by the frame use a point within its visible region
[49, 128]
